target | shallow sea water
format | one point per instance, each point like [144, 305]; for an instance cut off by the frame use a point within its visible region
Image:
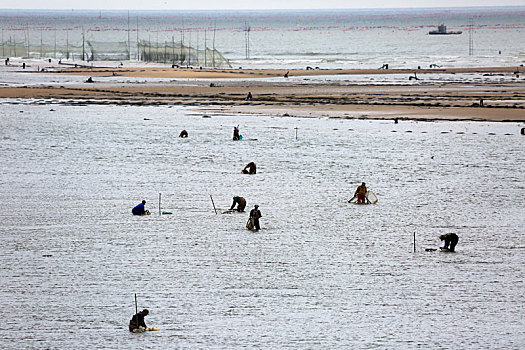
[321, 273]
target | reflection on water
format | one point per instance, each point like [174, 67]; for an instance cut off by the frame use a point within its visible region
[321, 273]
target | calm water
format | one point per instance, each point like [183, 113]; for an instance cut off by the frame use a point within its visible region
[321, 273]
[283, 39]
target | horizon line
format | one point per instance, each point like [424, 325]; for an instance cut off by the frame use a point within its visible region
[260, 9]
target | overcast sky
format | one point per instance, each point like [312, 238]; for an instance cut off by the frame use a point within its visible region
[242, 4]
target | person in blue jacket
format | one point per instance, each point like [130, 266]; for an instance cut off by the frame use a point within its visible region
[139, 209]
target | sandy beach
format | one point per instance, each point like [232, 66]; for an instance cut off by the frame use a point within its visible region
[225, 91]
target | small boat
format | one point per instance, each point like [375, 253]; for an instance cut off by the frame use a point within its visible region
[442, 30]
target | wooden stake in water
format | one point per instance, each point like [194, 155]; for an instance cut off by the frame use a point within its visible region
[159, 204]
[136, 310]
[414, 242]
[296, 132]
[213, 204]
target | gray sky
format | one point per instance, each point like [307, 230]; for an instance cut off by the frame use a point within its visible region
[242, 4]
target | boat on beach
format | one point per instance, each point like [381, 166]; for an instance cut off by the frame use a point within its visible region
[442, 30]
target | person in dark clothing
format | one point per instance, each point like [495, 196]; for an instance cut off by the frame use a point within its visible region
[255, 215]
[139, 209]
[451, 240]
[183, 133]
[361, 193]
[236, 135]
[250, 168]
[240, 202]
[137, 324]
[249, 97]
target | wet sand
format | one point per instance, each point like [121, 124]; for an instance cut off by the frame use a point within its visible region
[168, 72]
[424, 101]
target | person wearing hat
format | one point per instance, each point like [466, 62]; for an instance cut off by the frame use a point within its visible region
[255, 215]
[361, 193]
[451, 240]
[240, 202]
[137, 324]
[139, 209]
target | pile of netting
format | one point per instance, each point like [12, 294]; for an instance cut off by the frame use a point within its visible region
[177, 54]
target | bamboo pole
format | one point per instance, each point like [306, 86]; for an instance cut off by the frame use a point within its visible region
[414, 242]
[136, 311]
[159, 204]
[213, 204]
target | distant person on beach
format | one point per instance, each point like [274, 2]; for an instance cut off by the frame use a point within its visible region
[249, 97]
[451, 240]
[183, 133]
[250, 168]
[140, 209]
[89, 80]
[240, 202]
[255, 215]
[236, 135]
[361, 193]
[137, 324]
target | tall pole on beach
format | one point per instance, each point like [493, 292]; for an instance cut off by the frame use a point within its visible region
[470, 36]
[27, 36]
[83, 47]
[172, 49]
[129, 42]
[205, 49]
[159, 204]
[213, 52]
[181, 43]
[414, 242]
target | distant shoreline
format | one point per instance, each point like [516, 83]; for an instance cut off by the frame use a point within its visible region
[206, 73]
[224, 91]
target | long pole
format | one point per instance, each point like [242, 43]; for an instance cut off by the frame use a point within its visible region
[136, 310]
[213, 204]
[27, 28]
[414, 242]
[67, 43]
[213, 52]
[83, 47]
[129, 42]
[159, 203]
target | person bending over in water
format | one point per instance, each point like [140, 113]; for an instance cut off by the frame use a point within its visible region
[250, 168]
[137, 324]
[236, 135]
[140, 209]
[361, 194]
[240, 202]
[451, 240]
[183, 133]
